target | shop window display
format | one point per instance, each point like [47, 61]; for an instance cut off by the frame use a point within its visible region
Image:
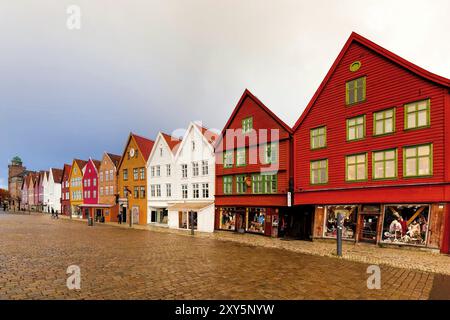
[406, 224]
[256, 218]
[349, 227]
[227, 219]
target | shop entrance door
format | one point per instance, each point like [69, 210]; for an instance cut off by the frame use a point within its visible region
[240, 222]
[368, 228]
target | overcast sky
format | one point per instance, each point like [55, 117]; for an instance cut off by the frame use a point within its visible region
[145, 66]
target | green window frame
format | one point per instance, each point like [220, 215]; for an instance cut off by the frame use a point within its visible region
[247, 125]
[228, 159]
[241, 160]
[356, 167]
[257, 184]
[271, 151]
[356, 128]
[384, 164]
[318, 138]
[355, 91]
[318, 171]
[270, 184]
[417, 114]
[227, 184]
[384, 122]
[418, 161]
[241, 186]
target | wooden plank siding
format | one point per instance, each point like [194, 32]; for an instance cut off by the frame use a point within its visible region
[388, 85]
[250, 106]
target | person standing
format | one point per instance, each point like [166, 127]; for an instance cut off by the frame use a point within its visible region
[119, 216]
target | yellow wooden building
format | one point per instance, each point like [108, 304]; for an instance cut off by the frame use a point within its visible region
[132, 179]
[76, 186]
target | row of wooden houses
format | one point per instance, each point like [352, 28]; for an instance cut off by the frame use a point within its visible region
[372, 144]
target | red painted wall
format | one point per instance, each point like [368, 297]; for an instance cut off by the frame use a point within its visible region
[65, 203]
[90, 184]
[388, 85]
[261, 120]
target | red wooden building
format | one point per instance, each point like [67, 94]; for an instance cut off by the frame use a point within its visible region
[374, 144]
[90, 181]
[65, 193]
[252, 169]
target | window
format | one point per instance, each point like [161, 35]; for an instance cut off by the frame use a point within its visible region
[158, 190]
[384, 164]
[101, 176]
[271, 153]
[111, 190]
[195, 169]
[257, 183]
[270, 183]
[356, 128]
[384, 122]
[136, 192]
[111, 175]
[152, 171]
[95, 182]
[135, 174]
[205, 167]
[168, 190]
[142, 173]
[193, 145]
[247, 125]
[205, 190]
[240, 157]
[318, 137]
[241, 186]
[418, 161]
[125, 192]
[195, 191]
[417, 114]
[184, 170]
[125, 174]
[168, 170]
[106, 191]
[160, 152]
[152, 190]
[106, 176]
[227, 184]
[228, 159]
[319, 171]
[158, 171]
[356, 166]
[355, 91]
[94, 194]
[184, 191]
[101, 191]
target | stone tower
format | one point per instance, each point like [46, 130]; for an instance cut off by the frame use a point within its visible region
[16, 171]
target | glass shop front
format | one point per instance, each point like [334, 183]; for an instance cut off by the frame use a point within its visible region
[401, 224]
[245, 219]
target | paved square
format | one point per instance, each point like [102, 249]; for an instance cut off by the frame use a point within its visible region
[120, 263]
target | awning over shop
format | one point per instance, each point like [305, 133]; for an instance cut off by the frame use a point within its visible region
[97, 205]
[189, 206]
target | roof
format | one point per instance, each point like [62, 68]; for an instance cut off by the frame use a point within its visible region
[210, 135]
[114, 158]
[145, 145]
[248, 94]
[96, 163]
[171, 141]
[67, 167]
[80, 163]
[57, 175]
[356, 38]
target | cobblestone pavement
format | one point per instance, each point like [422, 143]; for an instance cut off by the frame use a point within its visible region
[121, 263]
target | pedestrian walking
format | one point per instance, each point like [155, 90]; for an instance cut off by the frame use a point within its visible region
[56, 214]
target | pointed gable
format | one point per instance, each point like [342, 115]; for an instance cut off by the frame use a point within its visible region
[66, 172]
[145, 145]
[358, 40]
[171, 141]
